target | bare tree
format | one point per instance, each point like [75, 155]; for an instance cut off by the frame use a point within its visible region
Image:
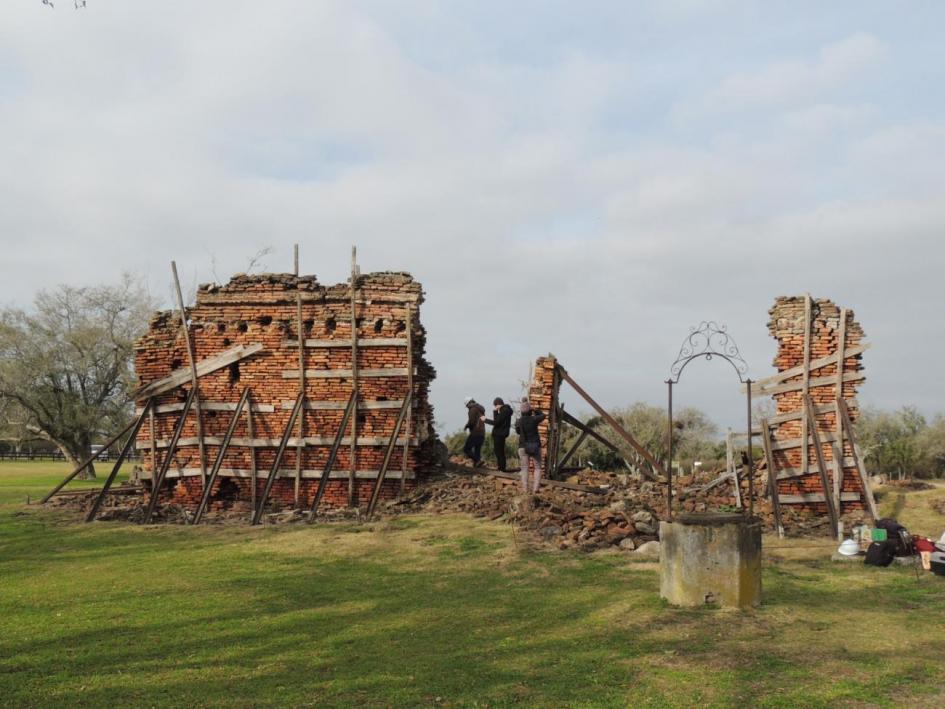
[66, 365]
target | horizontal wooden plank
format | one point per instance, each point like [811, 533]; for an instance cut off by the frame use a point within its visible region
[274, 442]
[815, 364]
[204, 367]
[786, 473]
[347, 373]
[362, 342]
[814, 383]
[789, 443]
[816, 497]
[798, 415]
[290, 473]
[341, 405]
[208, 406]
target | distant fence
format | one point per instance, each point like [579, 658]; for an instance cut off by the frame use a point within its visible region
[57, 456]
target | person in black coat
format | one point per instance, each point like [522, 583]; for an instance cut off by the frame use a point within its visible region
[529, 443]
[477, 431]
[501, 426]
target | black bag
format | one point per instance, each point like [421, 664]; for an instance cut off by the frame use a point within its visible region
[533, 448]
[881, 553]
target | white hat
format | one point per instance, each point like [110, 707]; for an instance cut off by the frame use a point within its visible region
[467, 400]
[849, 547]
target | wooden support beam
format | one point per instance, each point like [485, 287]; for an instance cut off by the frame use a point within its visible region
[367, 441]
[783, 444]
[858, 458]
[408, 323]
[837, 445]
[204, 367]
[342, 405]
[252, 452]
[572, 450]
[280, 452]
[300, 448]
[158, 481]
[812, 383]
[832, 510]
[612, 422]
[354, 374]
[388, 454]
[805, 386]
[788, 473]
[796, 416]
[121, 459]
[283, 472]
[815, 364]
[817, 497]
[332, 456]
[772, 476]
[88, 461]
[194, 380]
[213, 406]
[346, 342]
[214, 471]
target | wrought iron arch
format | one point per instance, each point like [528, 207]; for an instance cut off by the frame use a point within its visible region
[708, 341]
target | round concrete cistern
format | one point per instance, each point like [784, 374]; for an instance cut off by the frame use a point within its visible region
[711, 558]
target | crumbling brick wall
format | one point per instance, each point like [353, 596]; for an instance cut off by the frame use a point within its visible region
[263, 309]
[542, 393]
[787, 325]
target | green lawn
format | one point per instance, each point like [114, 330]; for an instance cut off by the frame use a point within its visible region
[430, 611]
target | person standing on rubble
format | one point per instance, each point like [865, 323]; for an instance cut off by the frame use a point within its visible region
[529, 443]
[477, 431]
[501, 426]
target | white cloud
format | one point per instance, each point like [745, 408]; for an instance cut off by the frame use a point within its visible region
[540, 212]
[790, 82]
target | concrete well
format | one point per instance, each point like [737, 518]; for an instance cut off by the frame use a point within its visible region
[711, 558]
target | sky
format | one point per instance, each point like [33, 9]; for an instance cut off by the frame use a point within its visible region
[589, 179]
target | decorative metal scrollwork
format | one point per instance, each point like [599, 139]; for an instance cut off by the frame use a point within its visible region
[709, 340]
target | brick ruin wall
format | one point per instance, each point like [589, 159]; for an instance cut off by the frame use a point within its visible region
[263, 309]
[541, 394]
[787, 325]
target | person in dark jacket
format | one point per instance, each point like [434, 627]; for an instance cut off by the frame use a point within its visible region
[529, 443]
[501, 426]
[477, 431]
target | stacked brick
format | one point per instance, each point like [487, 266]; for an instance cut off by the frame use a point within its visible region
[787, 325]
[262, 309]
[542, 395]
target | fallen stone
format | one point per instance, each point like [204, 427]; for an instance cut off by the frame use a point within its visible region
[651, 550]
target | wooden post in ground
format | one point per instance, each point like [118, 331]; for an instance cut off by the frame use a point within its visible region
[253, 476]
[301, 444]
[857, 458]
[772, 476]
[129, 444]
[195, 382]
[837, 446]
[353, 456]
[805, 387]
[822, 466]
[406, 453]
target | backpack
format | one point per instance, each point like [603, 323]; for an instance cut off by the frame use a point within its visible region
[881, 553]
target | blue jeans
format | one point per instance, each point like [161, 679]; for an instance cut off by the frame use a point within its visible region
[473, 447]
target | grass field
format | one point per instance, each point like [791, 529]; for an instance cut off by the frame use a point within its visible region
[433, 611]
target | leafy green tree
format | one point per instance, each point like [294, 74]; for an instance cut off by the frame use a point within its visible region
[66, 364]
